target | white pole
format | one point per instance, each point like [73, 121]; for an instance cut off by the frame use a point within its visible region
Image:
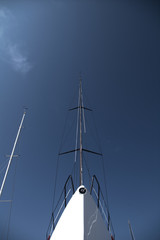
[11, 156]
[131, 231]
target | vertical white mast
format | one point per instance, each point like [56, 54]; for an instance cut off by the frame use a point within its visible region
[11, 156]
[80, 131]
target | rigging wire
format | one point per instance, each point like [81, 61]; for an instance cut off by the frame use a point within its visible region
[99, 146]
[3, 165]
[76, 144]
[84, 124]
[2, 235]
[12, 196]
[89, 175]
[57, 162]
[103, 165]
[55, 184]
[66, 134]
[13, 188]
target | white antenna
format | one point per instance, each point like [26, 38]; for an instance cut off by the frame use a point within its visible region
[84, 123]
[80, 132]
[12, 153]
[75, 156]
[131, 231]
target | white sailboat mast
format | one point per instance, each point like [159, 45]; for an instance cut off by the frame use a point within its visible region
[131, 231]
[80, 131]
[12, 153]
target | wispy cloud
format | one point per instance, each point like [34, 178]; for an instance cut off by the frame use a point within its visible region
[11, 52]
[18, 60]
[4, 13]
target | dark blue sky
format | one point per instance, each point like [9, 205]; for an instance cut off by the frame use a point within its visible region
[43, 47]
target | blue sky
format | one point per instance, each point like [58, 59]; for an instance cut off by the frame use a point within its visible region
[43, 47]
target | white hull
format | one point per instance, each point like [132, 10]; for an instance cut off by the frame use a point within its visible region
[81, 220]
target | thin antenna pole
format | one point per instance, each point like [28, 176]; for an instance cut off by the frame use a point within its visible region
[12, 153]
[131, 232]
[80, 131]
